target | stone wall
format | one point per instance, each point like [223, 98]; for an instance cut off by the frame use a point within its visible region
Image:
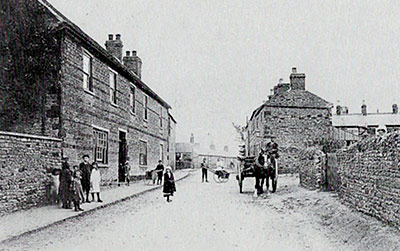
[369, 177]
[312, 165]
[24, 163]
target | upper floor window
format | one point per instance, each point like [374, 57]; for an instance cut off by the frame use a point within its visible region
[87, 72]
[113, 87]
[132, 100]
[161, 118]
[145, 107]
[169, 126]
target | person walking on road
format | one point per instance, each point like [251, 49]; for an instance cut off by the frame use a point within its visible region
[159, 170]
[65, 184]
[169, 184]
[86, 168]
[204, 171]
[95, 180]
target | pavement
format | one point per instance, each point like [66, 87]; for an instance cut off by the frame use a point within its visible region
[26, 222]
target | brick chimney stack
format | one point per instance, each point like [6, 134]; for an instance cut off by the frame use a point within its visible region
[115, 46]
[297, 80]
[133, 63]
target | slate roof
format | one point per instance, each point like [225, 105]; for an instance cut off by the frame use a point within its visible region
[299, 99]
[294, 99]
[98, 50]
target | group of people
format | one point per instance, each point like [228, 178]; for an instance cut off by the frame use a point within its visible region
[73, 185]
[76, 183]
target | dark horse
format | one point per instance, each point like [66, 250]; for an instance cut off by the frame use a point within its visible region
[262, 173]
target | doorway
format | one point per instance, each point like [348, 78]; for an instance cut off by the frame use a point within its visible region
[122, 155]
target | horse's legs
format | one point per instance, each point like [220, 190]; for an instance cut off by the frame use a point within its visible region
[261, 186]
[267, 182]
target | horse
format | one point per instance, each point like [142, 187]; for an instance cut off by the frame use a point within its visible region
[263, 173]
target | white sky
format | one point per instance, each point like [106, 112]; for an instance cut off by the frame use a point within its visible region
[215, 61]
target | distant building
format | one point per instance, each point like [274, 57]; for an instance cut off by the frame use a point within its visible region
[364, 123]
[292, 116]
[190, 155]
[185, 154]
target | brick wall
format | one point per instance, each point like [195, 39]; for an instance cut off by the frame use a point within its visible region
[369, 175]
[24, 164]
[82, 111]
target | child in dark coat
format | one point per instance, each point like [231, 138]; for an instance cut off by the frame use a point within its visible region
[169, 184]
[77, 192]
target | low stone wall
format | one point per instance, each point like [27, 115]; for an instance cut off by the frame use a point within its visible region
[311, 168]
[25, 161]
[370, 177]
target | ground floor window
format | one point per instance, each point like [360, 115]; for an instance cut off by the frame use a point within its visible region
[100, 146]
[143, 153]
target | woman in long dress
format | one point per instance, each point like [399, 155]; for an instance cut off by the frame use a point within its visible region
[169, 184]
[95, 181]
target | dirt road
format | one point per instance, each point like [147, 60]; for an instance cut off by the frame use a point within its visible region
[210, 216]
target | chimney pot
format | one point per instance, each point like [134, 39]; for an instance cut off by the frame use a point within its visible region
[128, 53]
[110, 37]
[294, 70]
[280, 80]
[134, 53]
[118, 37]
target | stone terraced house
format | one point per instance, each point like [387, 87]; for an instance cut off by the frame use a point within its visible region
[97, 103]
[293, 116]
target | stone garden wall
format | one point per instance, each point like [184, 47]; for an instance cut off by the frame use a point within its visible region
[25, 161]
[369, 174]
[366, 176]
[311, 171]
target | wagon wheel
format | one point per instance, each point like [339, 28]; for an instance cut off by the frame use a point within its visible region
[224, 177]
[217, 178]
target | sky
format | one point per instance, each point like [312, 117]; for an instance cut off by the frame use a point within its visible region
[215, 61]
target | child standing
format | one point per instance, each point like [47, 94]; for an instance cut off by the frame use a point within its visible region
[77, 191]
[169, 184]
[95, 181]
[54, 186]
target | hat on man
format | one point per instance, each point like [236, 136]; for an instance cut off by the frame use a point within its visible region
[85, 155]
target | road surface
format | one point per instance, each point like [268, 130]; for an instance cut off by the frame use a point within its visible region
[210, 216]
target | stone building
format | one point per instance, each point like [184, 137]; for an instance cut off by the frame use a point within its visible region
[94, 101]
[293, 116]
[365, 123]
[171, 151]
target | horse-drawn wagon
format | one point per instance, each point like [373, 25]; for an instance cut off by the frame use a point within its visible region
[250, 167]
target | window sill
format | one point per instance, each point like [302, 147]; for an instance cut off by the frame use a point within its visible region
[88, 91]
[115, 105]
